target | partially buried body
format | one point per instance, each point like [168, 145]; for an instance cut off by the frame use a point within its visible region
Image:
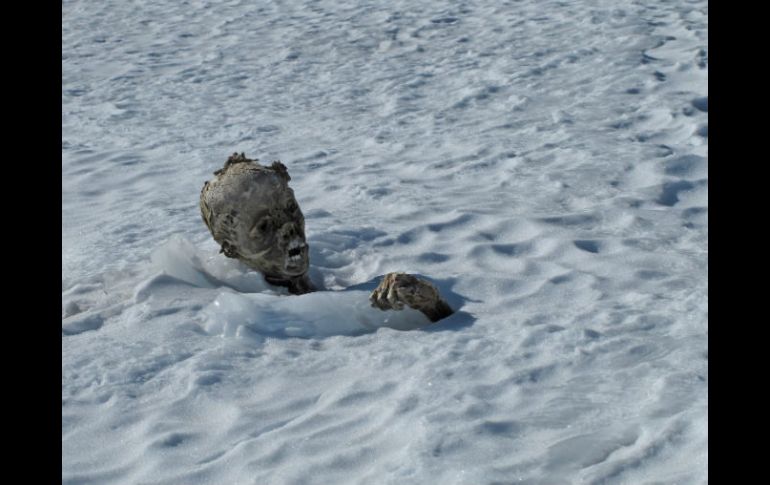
[253, 215]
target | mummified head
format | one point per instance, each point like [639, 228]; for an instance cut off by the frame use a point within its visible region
[252, 213]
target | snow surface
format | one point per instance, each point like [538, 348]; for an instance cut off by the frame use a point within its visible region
[543, 162]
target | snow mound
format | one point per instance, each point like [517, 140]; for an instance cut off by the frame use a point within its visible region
[180, 259]
[247, 307]
[321, 314]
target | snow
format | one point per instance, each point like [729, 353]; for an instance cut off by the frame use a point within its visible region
[544, 163]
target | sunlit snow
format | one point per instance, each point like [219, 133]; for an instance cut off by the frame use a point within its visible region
[544, 163]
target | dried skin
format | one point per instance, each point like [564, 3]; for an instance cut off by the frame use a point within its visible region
[399, 289]
[252, 213]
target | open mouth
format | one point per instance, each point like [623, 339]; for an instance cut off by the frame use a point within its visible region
[294, 255]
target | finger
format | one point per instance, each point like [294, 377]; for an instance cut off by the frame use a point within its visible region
[373, 298]
[380, 299]
[393, 299]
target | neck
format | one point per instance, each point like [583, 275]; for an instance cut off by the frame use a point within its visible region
[297, 285]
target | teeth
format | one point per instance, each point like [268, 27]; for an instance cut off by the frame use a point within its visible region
[296, 243]
[294, 251]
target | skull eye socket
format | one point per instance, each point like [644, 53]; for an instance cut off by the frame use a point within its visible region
[260, 228]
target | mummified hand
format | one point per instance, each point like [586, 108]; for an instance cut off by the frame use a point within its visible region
[399, 289]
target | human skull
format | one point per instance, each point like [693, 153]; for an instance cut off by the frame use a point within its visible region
[252, 213]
